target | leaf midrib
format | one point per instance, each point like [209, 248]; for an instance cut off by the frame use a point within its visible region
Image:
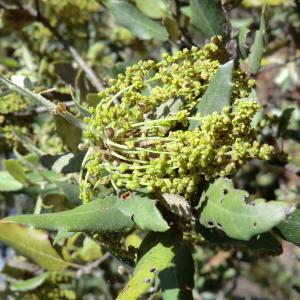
[33, 250]
[204, 17]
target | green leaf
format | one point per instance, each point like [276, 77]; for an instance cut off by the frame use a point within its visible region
[177, 281]
[258, 47]
[63, 163]
[144, 213]
[108, 214]
[29, 284]
[61, 236]
[16, 170]
[140, 25]
[290, 228]
[243, 32]
[118, 68]
[8, 183]
[226, 208]
[71, 191]
[186, 10]
[33, 244]
[158, 251]
[172, 28]
[90, 250]
[155, 9]
[22, 81]
[172, 106]
[284, 121]
[207, 16]
[70, 134]
[217, 94]
[92, 99]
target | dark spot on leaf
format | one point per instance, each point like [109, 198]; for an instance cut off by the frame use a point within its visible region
[248, 200]
[210, 224]
[132, 218]
[225, 191]
[152, 270]
[254, 224]
[148, 280]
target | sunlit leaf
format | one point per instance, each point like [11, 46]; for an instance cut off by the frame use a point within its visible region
[228, 209]
[31, 243]
[140, 25]
[15, 169]
[108, 214]
[9, 183]
[154, 9]
[158, 252]
[29, 284]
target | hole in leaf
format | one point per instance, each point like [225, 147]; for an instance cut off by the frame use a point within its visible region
[248, 200]
[219, 226]
[225, 191]
[148, 280]
[210, 224]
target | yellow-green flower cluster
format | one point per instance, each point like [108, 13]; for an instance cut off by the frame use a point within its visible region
[12, 103]
[137, 142]
[147, 84]
[74, 11]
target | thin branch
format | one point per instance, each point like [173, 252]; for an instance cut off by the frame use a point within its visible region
[87, 269]
[185, 38]
[2, 5]
[38, 110]
[68, 46]
[37, 6]
[48, 104]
